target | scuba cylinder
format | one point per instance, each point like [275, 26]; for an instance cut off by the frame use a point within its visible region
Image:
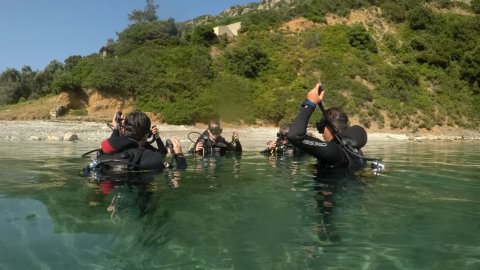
[351, 140]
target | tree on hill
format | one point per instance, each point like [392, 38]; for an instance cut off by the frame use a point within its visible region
[10, 86]
[160, 32]
[475, 5]
[149, 14]
[204, 34]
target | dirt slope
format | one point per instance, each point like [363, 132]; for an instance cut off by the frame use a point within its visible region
[85, 106]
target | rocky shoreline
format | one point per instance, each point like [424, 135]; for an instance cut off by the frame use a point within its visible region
[251, 137]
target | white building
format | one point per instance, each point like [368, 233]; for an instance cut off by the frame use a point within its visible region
[230, 30]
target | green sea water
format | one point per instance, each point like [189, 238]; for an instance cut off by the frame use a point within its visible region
[248, 212]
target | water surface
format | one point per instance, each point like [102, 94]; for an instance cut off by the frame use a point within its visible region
[248, 212]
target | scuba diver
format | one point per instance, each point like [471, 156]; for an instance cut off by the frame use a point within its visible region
[338, 155]
[127, 162]
[281, 145]
[127, 149]
[127, 136]
[342, 144]
[211, 142]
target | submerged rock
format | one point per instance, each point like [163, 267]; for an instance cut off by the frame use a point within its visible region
[53, 138]
[70, 136]
[34, 138]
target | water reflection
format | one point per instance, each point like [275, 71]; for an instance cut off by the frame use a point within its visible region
[209, 167]
[288, 164]
[333, 187]
[330, 188]
[127, 191]
[324, 198]
[174, 177]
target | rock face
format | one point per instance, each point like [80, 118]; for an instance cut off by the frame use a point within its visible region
[265, 5]
[104, 107]
[58, 111]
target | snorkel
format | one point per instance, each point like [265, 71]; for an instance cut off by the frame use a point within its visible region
[350, 144]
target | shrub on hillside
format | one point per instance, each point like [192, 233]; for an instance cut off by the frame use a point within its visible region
[475, 5]
[394, 12]
[361, 39]
[420, 18]
[246, 60]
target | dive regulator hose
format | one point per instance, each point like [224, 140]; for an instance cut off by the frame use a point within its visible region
[210, 145]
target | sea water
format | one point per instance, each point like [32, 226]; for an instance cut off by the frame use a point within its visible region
[241, 212]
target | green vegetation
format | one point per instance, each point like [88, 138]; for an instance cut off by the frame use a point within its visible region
[424, 73]
[79, 112]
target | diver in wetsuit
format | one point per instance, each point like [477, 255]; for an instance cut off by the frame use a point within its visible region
[211, 142]
[281, 146]
[329, 153]
[338, 155]
[128, 147]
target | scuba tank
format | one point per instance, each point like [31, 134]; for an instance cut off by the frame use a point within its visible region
[351, 140]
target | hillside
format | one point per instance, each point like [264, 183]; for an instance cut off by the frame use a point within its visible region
[93, 107]
[408, 66]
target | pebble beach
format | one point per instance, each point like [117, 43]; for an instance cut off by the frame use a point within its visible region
[252, 138]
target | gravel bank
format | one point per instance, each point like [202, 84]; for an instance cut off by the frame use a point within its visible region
[253, 138]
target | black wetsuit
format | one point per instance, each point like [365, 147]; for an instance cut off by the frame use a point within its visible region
[123, 152]
[218, 147]
[329, 154]
[284, 150]
[117, 143]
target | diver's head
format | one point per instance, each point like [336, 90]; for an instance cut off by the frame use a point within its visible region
[282, 133]
[337, 117]
[137, 126]
[214, 129]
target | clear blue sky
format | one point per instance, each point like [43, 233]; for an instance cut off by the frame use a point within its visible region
[35, 32]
